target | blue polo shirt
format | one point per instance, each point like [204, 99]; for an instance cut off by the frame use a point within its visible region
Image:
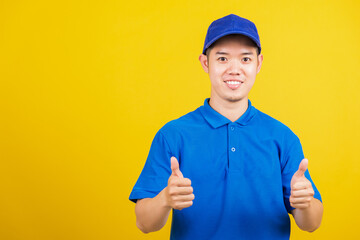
[240, 172]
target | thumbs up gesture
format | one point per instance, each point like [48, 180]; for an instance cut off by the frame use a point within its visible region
[301, 188]
[179, 193]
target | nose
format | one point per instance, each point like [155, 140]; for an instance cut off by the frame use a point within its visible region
[235, 67]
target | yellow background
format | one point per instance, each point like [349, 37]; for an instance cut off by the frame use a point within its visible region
[85, 85]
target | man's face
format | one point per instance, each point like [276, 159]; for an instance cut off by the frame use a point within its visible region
[232, 66]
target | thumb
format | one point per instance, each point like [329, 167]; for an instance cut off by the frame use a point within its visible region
[175, 167]
[302, 168]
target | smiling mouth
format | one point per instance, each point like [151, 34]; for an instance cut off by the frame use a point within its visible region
[233, 84]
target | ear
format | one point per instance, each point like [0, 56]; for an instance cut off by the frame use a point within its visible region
[204, 62]
[260, 60]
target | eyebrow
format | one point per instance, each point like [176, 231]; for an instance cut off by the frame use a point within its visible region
[225, 53]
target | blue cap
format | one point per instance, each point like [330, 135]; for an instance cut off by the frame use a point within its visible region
[231, 24]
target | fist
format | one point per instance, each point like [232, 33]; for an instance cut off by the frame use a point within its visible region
[179, 193]
[301, 189]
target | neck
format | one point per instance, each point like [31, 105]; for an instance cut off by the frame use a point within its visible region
[231, 110]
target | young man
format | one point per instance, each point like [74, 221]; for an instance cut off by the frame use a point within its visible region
[227, 170]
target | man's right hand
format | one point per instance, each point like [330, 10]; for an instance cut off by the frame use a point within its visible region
[152, 213]
[179, 193]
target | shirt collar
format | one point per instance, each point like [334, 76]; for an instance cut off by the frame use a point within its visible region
[216, 120]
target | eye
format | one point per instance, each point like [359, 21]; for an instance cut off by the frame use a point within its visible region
[246, 59]
[222, 59]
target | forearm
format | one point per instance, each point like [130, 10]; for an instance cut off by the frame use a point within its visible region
[309, 219]
[152, 213]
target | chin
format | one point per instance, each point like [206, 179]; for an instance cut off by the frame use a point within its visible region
[234, 99]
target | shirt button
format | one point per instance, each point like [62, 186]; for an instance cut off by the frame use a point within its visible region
[232, 128]
[233, 149]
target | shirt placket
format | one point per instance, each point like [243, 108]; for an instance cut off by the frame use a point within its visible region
[233, 147]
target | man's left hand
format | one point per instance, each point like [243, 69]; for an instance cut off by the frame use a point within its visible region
[301, 189]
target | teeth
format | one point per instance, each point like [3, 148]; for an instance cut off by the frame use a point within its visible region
[233, 82]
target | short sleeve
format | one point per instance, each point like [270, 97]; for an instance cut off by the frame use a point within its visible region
[156, 171]
[290, 164]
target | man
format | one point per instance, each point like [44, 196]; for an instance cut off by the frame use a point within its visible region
[227, 170]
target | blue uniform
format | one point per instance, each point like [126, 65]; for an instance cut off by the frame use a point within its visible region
[240, 172]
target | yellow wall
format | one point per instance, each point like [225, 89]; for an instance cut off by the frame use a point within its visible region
[85, 85]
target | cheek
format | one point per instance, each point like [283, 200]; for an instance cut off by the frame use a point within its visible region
[216, 72]
[251, 71]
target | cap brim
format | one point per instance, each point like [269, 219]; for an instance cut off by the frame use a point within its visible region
[233, 32]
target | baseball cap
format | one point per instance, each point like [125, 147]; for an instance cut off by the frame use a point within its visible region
[231, 24]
